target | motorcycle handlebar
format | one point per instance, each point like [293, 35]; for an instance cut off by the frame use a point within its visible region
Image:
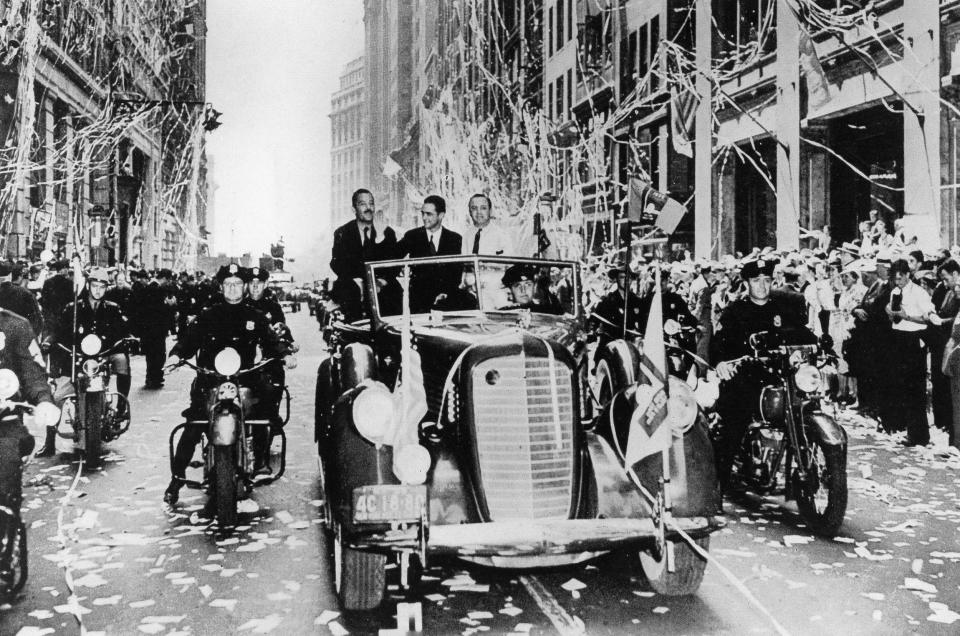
[205, 371]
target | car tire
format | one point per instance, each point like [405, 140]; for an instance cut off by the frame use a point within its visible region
[361, 577]
[688, 571]
[616, 369]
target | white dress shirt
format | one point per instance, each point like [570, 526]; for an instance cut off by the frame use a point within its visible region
[494, 241]
[916, 304]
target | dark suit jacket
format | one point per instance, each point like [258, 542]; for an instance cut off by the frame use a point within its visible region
[795, 300]
[414, 243]
[428, 282]
[349, 256]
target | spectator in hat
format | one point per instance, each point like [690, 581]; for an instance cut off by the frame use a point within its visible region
[155, 317]
[16, 298]
[701, 294]
[950, 357]
[868, 338]
[909, 310]
[57, 292]
[841, 322]
[937, 336]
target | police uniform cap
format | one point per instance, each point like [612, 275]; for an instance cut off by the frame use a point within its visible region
[517, 273]
[7, 268]
[757, 267]
[233, 270]
[98, 274]
[616, 270]
[59, 264]
[165, 273]
[259, 274]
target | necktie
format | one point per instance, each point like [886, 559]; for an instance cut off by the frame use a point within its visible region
[433, 246]
[366, 237]
[476, 243]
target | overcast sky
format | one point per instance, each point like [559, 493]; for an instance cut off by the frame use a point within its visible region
[272, 66]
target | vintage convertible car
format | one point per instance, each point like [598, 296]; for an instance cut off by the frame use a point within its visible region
[514, 464]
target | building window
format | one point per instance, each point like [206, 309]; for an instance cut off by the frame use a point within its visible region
[560, 111]
[560, 24]
[569, 91]
[549, 34]
[550, 100]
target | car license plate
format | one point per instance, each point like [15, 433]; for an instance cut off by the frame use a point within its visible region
[380, 503]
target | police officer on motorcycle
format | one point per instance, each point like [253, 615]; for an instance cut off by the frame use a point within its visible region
[230, 323]
[608, 314]
[20, 353]
[94, 315]
[259, 298]
[742, 381]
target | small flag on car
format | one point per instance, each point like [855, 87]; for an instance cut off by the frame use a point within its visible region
[649, 432]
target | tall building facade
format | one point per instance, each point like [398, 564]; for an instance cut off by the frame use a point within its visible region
[103, 118]
[767, 119]
[348, 160]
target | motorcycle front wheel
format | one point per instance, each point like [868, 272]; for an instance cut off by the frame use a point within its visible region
[225, 485]
[93, 428]
[822, 497]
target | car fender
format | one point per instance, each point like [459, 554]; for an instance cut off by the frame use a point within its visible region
[352, 460]
[357, 363]
[323, 402]
[619, 359]
[694, 488]
[616, 496]
[825, 428]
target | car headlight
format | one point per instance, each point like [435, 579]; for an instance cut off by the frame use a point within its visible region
[682, 407]
[373, 412]
[227, 391]
[807, 378]
[411, 462]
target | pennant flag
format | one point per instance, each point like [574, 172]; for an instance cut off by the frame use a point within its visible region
[818, 91]
[410, 397]
[649, 432]
[683, 115]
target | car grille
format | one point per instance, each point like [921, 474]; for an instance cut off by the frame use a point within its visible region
[524, 433]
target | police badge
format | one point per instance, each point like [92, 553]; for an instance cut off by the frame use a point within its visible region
[776, 321]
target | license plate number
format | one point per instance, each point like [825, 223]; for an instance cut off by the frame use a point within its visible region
[377, 504]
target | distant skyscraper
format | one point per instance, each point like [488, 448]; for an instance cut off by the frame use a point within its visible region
[347, 155]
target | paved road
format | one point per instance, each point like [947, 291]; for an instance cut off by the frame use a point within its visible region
[137, 566]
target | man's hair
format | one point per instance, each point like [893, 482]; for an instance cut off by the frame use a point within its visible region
[899, 266]
[481, 195]
[917, 254]
[950, 266]
[356, 195]
[438, 203]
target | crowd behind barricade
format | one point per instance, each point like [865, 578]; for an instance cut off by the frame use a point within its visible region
[889, 310]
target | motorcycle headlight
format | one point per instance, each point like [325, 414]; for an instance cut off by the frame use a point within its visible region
[91, 344]
[411, 463]
[227, 391]
[682, 407]
[808, 378]
[90, 367]
[373, 412]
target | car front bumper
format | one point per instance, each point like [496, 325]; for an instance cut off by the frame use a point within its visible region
[530, 538]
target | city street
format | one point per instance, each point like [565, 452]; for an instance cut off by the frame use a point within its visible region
[107, 553]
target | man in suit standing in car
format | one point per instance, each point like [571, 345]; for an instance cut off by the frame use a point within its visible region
[428, 285]
[356, 243]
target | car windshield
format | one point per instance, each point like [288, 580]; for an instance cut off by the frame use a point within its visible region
[477, 284]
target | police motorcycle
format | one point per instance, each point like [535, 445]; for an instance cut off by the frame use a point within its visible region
[227, 446]
[792, 437]
[13, 532]
[96, 414]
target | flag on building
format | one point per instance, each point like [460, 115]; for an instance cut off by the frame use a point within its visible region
[818, 91]
[683, 117]
[649, 432]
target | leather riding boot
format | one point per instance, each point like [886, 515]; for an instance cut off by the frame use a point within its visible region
[49, 443]
[172, 494]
